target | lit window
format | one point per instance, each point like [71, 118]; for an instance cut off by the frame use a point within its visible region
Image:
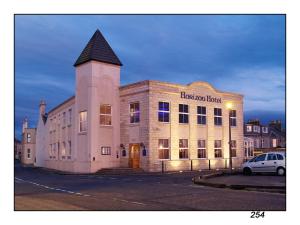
[163, 149]
[201, 149]
[28, 153]
[105, 150]
[218, 116]
[63, 151]
[232, 116]
[218, 149]
[274, 142]
[201, 115]
[134, 112]
[183, 113]
[233, 148]
[105, 115]
[249, 128]
[28, 138]
[163, 112]
[256, 129]
[83, 121]
[183, 149]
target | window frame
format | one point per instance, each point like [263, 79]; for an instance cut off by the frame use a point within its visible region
[106, 115]
[134, 113]
[201, 148]
[84, 122]
[163, 149]
[201, 115]
[28, 153]
[184, 114]
[233, 148]
[105, 150]
[218, 149]
[233, 118]
[164, 112]
[185, 149]
[216, 117]
[28, 137]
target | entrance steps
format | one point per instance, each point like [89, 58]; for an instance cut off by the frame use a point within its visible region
[120, 170]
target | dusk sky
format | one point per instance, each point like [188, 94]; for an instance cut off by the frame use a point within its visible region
[243, 54]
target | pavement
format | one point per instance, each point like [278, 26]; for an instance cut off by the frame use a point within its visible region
[38, 189]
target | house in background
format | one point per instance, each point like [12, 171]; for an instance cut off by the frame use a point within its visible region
[17, 149]
[27, 156]
[265, 138]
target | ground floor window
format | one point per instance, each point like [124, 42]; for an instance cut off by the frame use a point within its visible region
[201, 149]
[218, 149]
[183, 149]
[105, 150]
[163, 149]
[28, 153]
[233, 148]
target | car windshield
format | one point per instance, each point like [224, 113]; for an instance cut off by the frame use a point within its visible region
[252, 160]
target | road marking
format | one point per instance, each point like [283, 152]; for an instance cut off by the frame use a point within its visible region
[123, 200]
[52, 188]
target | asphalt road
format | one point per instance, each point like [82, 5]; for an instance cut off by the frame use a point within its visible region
[37, 189]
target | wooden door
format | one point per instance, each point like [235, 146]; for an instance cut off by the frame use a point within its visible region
[134, 155]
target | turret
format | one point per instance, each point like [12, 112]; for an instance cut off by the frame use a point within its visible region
[42, 107]
[24, 124]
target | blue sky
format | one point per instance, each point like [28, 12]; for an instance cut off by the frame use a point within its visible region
[236, 53]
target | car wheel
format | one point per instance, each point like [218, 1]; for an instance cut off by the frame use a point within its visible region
[280, 171]
[247, 171]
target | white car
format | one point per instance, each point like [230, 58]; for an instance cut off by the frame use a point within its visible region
[273, 162]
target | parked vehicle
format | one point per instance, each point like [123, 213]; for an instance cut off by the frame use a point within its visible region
[271, 162]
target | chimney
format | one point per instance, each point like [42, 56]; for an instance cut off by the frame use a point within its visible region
[42, 107]
[24, 124]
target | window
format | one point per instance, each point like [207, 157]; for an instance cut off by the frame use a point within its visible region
[218, 116]
[28, 153]
[183, 113]
[70, 117]
[256, 129]
[63, 151]
[134, 112]
[64, 118]
[183, 148]
[163, 112]
[163, 149]
[201, 149]
[28, 138]
[105, 150]
[218, 149]
[105, 115]
[274, 142]
[249, 128]
[233, 148]
[279, 157]
[70, 150]
[201, 115]
[83, 121]
[260, 158]
[265, 130]
[232, 118]
[271, 156]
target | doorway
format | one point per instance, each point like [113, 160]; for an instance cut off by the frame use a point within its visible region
[134, 155]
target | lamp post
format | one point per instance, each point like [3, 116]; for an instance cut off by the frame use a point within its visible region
[229, 107]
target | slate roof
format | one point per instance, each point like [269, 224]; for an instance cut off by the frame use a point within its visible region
[98, 49]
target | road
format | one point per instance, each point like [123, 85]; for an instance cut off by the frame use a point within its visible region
[37, 189]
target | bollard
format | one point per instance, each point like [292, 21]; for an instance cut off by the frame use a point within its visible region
[191, 165]
[162, 166]
[209, 164]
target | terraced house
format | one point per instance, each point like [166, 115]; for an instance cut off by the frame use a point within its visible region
[151, 125]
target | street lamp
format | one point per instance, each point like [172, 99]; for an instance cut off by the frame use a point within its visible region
[229, 106]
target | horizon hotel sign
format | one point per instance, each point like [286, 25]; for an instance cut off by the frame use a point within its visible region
[207, 98]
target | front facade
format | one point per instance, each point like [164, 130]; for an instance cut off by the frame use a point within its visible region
[150, 125]
[28, 152]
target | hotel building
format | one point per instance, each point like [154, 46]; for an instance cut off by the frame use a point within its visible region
[151, 125]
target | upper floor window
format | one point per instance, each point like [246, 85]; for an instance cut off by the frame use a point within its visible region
[218, 149]
[201, 115]
[256, 129]
[232, 116]
[183, 113]
[163, 149]
[105, 115]
[70, 117]
[64, 118]
[201, 149]
[135, 112]
[265, 130]
[163, 112]
[83, 121]
[249, 128]
[28, 138]
[183, 148]
[218, 116]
